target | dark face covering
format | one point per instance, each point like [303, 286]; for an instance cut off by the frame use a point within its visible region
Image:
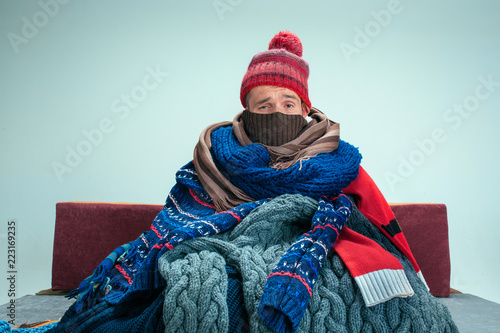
[273, 129]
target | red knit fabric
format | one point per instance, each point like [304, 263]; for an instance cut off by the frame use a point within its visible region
[351, 246]
[372, 204]
[282, 65]
[288, 41]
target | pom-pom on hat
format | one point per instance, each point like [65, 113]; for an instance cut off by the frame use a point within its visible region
[282, 65]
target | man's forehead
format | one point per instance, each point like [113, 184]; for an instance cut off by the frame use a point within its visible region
[262, 92]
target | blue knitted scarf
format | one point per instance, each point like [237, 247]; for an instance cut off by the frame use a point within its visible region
[132, 269]
[247, 168]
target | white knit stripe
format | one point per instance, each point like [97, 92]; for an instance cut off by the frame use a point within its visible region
[421, 277]
[383, 285]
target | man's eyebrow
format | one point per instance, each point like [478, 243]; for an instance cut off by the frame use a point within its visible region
[290, 96]
[264, 100]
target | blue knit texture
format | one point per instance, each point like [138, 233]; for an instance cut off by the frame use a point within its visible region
[248, 169]
[5, 328]
[238, 317]
[142, 315]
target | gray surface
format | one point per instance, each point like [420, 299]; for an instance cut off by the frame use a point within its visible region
[472, 314]
[33, 308]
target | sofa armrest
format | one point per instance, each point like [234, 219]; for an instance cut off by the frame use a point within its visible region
[425, 227]
[87, 232]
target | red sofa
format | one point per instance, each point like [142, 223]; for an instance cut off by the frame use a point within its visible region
[86, 232]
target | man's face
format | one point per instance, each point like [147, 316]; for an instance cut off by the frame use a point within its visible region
[270, 99]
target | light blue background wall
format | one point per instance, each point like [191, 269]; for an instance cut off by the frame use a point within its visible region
[65, 69]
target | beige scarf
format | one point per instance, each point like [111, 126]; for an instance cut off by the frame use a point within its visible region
[321, 135]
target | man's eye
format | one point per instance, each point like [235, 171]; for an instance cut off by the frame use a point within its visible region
[263, 107]
[289, 106]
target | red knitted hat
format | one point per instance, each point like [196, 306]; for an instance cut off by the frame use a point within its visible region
[282, 65]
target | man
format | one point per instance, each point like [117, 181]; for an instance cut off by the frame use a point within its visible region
[266, 229]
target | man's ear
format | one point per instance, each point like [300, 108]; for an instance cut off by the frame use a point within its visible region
[305, 109]
[247, 99]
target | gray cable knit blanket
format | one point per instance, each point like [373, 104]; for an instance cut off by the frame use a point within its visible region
[195, 296]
